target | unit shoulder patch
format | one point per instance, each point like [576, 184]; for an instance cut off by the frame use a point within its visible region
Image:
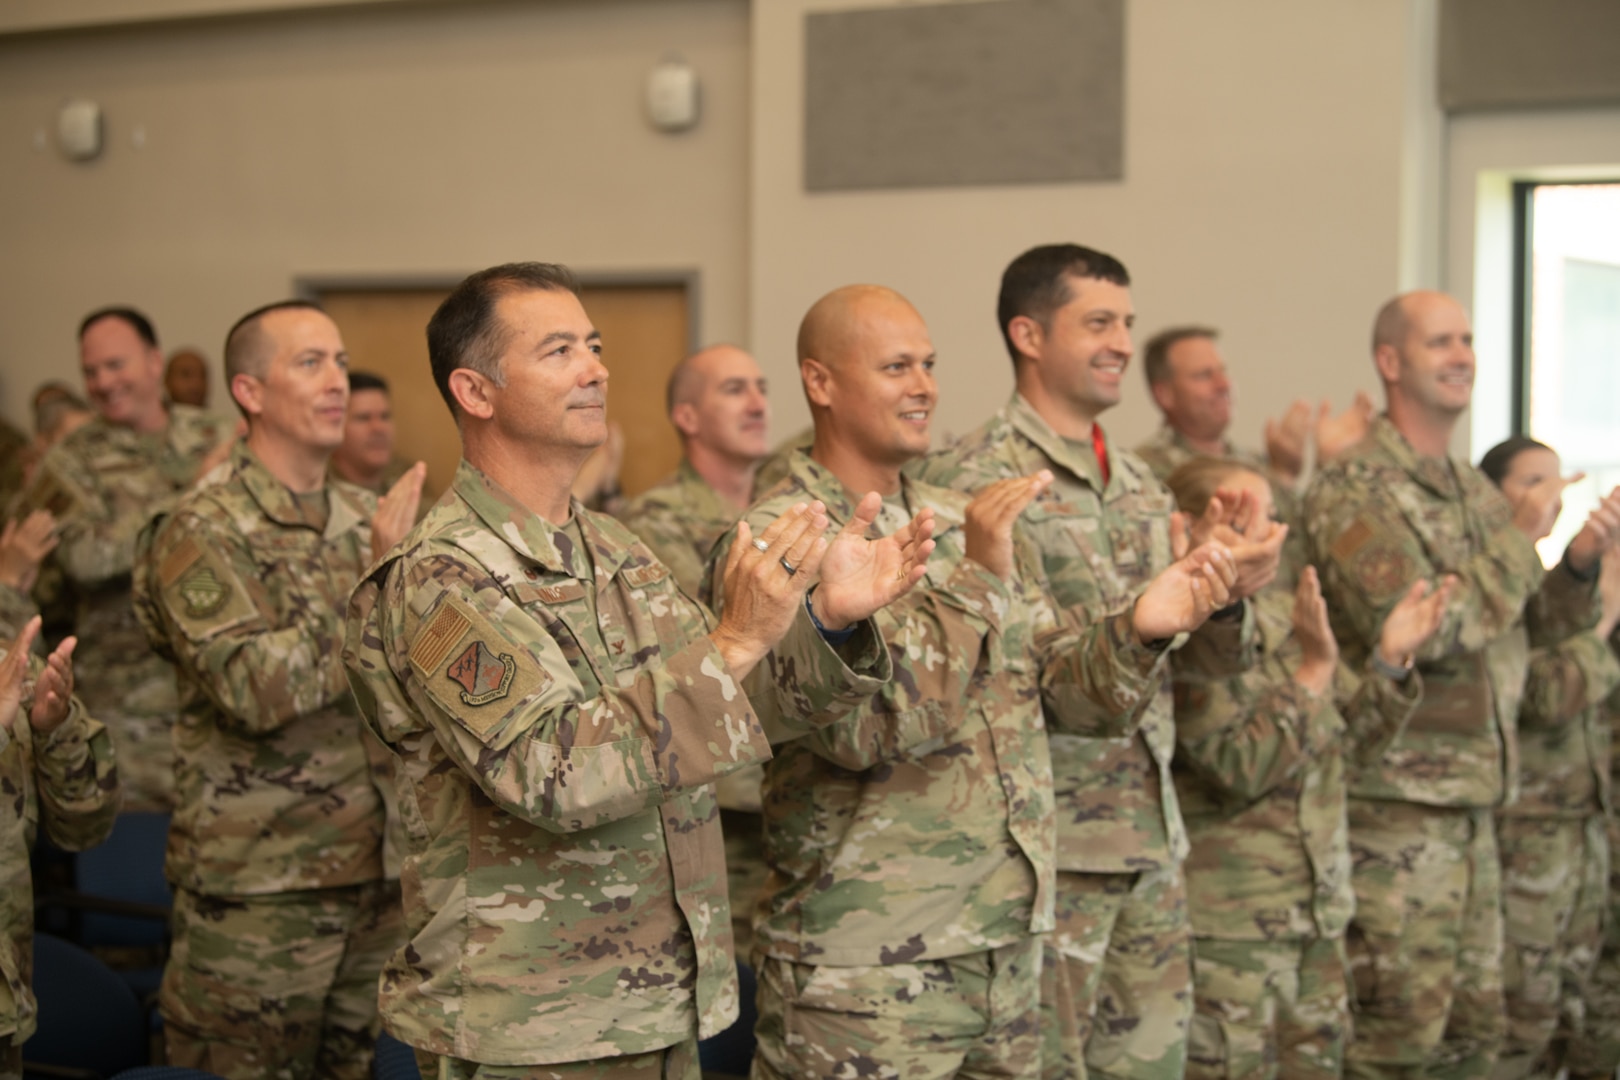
[467, 664]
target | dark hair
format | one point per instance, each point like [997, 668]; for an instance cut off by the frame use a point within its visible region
[1037, 283]
[244, 344]
[134, 319]
[365, 380]
[1156, 353]
[465, 332]
[1499, 458]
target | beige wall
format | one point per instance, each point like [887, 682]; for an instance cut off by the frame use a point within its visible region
[1268, 164]
[1277, 178]
[402, 141]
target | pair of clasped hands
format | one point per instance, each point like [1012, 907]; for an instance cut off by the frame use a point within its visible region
[1228, 553]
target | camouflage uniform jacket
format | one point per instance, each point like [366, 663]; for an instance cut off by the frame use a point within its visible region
[1260, 768]
[1167, 450]
[104, 482]
[559, 718]
[66, 782]
[1563, 733]
[1099, 546]
[921, 826]
[680, 518]
[1380, 517]
[14, 446]
[276, 780]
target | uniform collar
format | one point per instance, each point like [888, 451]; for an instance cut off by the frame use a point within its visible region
[819, 482]
[1439, 475]
[280, 505]
[702, 500]
[529, 534]
[1032, 426]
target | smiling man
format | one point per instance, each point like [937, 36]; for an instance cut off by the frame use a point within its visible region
[284, 908]
[559, 712]
[103, 482]
[716, 400]
[1425, 944]
[911, 845]
[1117, 995]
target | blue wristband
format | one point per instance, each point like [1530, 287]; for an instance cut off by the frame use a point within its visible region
[831, 637]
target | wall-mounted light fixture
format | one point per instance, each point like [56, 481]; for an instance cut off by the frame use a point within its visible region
[672, 95]
[78, 130]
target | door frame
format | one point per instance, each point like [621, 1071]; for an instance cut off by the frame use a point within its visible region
[310, 286]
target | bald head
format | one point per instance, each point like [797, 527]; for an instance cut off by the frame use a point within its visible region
[867, 362]
[717, 402]
[688, 380]
[1395, 319]
[835, 326]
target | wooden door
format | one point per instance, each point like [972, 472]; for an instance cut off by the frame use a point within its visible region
[645, 333]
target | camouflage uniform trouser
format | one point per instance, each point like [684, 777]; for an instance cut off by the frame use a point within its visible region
[1594, 1050]
[1555, 880]
[678, 1062]
[1425, 944]
[1266, 1009]
[278, 987]
[10, 1058]
[970, 1016]
[1116, 995]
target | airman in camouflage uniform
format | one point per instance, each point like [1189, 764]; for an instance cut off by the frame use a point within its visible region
[285, 905]
[104, 482]
[1118, 978]
[1426, 941]
[717, 403]
[60, 774]
[911, 845]
[1554, 839]
[559, 712]
[1261, 770]
[1594, 1051]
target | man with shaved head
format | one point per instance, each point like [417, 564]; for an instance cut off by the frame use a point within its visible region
[103, 482]
[284, 906]
[1425, 943]
[911, 845]
[185, 379]
[716, 401]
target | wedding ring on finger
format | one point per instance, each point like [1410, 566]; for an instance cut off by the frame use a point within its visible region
[789, 567]
[761, 545]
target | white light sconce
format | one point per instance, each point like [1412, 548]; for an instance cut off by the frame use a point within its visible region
[78, 130]
[673, 96]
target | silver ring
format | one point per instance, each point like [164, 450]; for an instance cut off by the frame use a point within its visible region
[789, 567]
[761, 545]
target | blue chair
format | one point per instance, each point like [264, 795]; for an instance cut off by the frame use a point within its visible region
[394, 1060]
[731, 1053]
[119, 904]
[90, 1024]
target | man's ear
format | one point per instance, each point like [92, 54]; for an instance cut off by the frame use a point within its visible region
[817, 379]
[1387, 359]
[471, 391]
[685, 418]
[248, 393]
[1163, 397]
[1027, 336]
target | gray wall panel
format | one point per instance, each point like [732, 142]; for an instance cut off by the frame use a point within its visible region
[1000, 92]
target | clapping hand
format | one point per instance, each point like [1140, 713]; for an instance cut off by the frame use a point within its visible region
[859, 576]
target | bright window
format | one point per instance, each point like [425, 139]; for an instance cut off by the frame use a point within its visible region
[1567, 378]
